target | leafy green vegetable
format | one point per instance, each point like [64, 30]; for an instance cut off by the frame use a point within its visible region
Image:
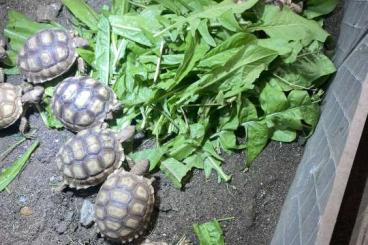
[83, 12]
[45, 111]
[209, 233]
[317, 8]
[286, 24]
[192, 74]
[102, 50]
[7, 175]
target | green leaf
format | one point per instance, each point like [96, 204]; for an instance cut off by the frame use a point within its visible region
[203, 30]
[228, 140]
[288, 49]
[83, 12]
[49, 118]
[212, 161]
[7, 175]
[102, 51]
[87, 55]
[273, 99]
[136, 28]
[181, 147]
[194, 52]
[257, 136]
[209, 233]
[284, 135]
[317, 8]
[300, 114]
[237, 75]
[120, 7]
[229, 21]
[303, 73]
[195, 161]
[212, 11]
[225, 50]
[154, 156]
[285, 24]
[46, 111]
[175, 171]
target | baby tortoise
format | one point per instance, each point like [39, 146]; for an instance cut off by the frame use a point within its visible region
[12, 100]
[48, 54]
[91, 155]
[82, 102]
[125, 203]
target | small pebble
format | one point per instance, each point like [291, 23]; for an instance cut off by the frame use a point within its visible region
[62, 227]
[23, 200]
[68, 216]
[87, 215]
[26, 211]
[55, 179]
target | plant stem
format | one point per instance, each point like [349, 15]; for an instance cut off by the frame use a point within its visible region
[291, 84]
[225, 219]
[157, 72]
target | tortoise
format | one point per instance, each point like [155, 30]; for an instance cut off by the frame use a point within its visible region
[12, 100]
[124, 204]
[82, 102]
[48, 54]
[91, 155]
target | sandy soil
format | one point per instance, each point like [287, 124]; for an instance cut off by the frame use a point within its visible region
[254, 198]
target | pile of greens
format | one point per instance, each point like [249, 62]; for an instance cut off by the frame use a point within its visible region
[197, 74]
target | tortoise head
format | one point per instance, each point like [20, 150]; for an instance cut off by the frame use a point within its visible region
[34, 95]
[78, 42]
[126, 133]
[140, 167]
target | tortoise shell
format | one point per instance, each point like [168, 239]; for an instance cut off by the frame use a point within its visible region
[124, 206]
[82, 102]
[89, 157]
[47, 54]
[10, 104]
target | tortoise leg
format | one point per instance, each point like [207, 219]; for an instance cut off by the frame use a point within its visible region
[126, 133]
[23, 127]
[33, 95]
[81, 66]
[1, 75]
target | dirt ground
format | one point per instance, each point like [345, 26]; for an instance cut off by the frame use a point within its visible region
[254, 199]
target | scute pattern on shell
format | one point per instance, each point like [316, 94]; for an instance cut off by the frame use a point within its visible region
[10, 104]
[46, 55]
[82, 102]
[124, 205]
[89, 157]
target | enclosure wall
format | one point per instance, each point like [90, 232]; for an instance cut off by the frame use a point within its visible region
[310, 210]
